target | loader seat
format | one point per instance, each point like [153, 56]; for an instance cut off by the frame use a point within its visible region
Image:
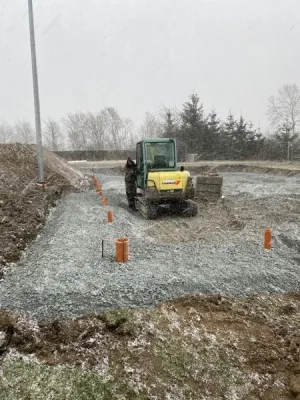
[159, 161]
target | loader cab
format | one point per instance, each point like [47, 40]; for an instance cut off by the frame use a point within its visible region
[154, 155]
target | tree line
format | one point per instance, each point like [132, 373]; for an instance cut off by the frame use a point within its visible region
[105, 130]
[210, 138]
[205, 135]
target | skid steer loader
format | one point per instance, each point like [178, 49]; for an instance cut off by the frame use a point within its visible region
[159, 182]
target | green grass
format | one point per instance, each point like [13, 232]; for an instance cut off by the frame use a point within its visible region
[29, 381]
[120, 321]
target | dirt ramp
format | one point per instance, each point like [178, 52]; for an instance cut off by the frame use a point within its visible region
[23, 204]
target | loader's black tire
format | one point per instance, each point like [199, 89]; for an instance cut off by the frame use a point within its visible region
[151, 210]
[147, 209]
[193, 210]
[189, 208]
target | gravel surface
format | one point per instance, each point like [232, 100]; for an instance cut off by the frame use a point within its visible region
[63, 274]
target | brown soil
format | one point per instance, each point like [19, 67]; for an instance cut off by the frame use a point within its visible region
[214, 218]
[218, 346]
[24, 205]
[225, 216]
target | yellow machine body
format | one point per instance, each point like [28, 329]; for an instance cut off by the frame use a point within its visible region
[168, 181]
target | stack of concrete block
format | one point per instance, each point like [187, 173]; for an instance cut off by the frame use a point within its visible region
[209, 186]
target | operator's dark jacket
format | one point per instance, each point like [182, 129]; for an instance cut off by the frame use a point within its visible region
[130, 181]
[130, 176]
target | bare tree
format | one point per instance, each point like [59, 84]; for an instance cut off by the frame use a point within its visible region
[7, 133]
[103, 130]
[95, 130]
[24, 132]
[284, 109]
[75, 126]
[112, 124]
[3, 135]
[152, 127]
[52, 134]
[129, 139]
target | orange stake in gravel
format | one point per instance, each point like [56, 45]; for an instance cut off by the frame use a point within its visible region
[125, 250]
[104, 201]
[122, 250]
[119, 250]
[99, 190]
[110, 216]
[268, 239]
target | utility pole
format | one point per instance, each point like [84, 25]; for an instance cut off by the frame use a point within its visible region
[38, 128]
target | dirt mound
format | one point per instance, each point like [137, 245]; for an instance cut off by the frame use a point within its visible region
[220, 347]
[24, 205]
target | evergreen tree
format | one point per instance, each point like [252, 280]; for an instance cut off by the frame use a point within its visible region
[193, 126]
[211, 138]
[170, 129]
[212, 135]
[240, 138]
[227, 137]
[255, 142]
[284, 134]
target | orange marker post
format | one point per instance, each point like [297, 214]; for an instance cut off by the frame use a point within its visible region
[122, 250]
[119, 250]
[104, 201]
[125, 250]
[110, 216]
[268, 239]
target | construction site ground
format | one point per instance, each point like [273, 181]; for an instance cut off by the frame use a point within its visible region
[23, 205]
[200, 311]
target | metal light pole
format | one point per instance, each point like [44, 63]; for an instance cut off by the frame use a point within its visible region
[36, 97]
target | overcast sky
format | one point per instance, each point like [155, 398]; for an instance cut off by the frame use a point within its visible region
[138, 54]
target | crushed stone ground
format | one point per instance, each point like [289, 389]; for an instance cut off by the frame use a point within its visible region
[63, 274]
